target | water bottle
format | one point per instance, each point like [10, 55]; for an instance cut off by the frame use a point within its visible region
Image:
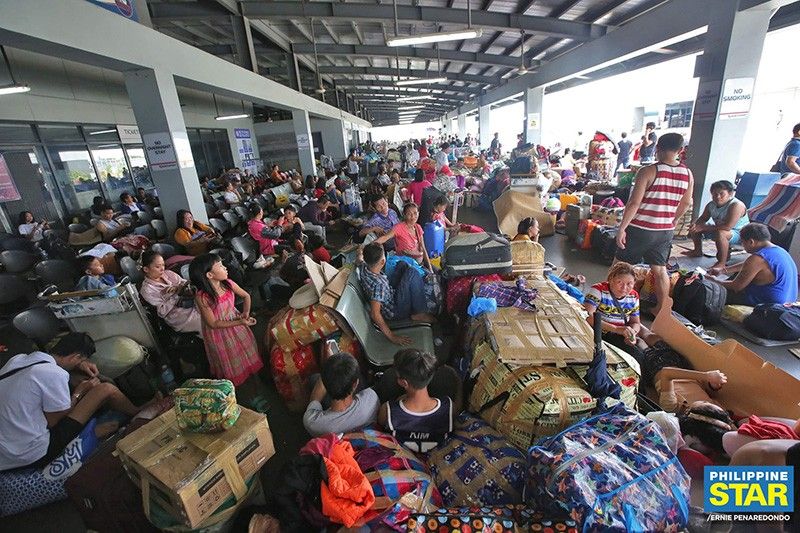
[168, 379]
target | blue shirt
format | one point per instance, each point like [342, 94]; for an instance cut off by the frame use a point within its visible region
[784, 288]
[376, 288]
[91, 283]
[624, 149]
[792, 149]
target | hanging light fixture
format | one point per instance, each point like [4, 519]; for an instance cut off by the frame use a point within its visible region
[411, 40]
[15, 87]
[228, 117]
[522, 68]
[321, 89]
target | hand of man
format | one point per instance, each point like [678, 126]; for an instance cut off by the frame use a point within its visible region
[85, 386]
[716, 379]
[400, 340]
[378, 231]
[621, 237]
[88, 368]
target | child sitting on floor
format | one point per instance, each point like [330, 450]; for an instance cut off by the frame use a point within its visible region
[94, 277]
[347, 410]
[527, 230]
[417, 420]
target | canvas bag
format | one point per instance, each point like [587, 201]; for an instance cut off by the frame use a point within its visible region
[774, 321]
[611, 472]
[698, 299]
[206, 405]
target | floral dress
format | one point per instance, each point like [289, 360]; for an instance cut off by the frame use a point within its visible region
[232, 352]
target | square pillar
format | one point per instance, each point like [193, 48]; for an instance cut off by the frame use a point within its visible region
[727, 70]
[305, 144]
[334, 139]
[155, 104]
[485, 133]
[534, 97]
[462, 126]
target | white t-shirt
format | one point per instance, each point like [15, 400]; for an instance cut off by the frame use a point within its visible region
[231, 197]
[352, 166]
[24, 398]
[441, 160]
[27, 229]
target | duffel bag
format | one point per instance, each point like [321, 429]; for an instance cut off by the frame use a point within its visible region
[698, 299]
[611, 472]
[138, 383]
[474, 254]
[116, 355]
[206, 405]
[524, 165]
[604, 242]
[774, 321]
[476, 466]
[290, 371]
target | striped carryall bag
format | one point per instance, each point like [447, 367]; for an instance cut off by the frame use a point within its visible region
[610, 472]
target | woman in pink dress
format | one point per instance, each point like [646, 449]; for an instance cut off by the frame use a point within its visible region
[408, 238]
[230, 344]
[161, 288]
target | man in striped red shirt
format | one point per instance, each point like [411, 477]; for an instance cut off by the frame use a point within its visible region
[661, 194]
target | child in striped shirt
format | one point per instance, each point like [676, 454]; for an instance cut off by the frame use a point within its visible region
[618, 304]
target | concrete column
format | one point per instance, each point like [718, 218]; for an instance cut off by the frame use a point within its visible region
[731, 58]
[485, 133]
[143, 12]
[243, 41]
[155, 104]
[462, 126]
[305, 144]
[334, 138]
[534, 97]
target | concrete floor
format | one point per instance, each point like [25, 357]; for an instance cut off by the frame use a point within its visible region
[287, 427]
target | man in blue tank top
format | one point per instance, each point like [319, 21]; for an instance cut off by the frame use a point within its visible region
[767, 276]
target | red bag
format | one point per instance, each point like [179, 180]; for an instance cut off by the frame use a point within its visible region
[291, 371]
[459, 291]
[471, 228]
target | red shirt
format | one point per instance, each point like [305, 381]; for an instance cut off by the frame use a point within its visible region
[321, 254]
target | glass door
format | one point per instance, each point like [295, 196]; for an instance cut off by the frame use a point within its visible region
[34, 181]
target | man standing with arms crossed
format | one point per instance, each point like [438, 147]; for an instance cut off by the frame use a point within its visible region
[661, 194]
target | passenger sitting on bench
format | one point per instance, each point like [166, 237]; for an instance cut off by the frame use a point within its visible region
[401, 298]
[109, 227]
[727, 216]
[335, 406]
[768, 276]
[382, 221]
[419, 421]
[39, 415]
[408, 237]
[527, 230]
[94, 276]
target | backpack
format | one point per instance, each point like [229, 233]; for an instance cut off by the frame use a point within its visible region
[774, 321]
[611, 472]
[604, 242]
[523, 165]
[698, 299]
[57, 248]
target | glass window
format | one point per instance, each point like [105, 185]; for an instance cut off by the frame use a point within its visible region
[198, 154]
[35, 184]
[101, 133]
[16, 133]
[114, 174]
[60, 134]
[141, 174]
[75, 176]
[213, 158]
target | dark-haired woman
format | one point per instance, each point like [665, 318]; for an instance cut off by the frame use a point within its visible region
[195, 236]
[30, 228]
[161, 288]
[230, 344]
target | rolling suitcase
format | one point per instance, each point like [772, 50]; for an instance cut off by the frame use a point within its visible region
[604, 242]
[475, 254]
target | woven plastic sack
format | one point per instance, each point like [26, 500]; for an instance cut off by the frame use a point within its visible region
[291, 370]
[477, 466]
[295, 328]
[206, 405]
[116, 355]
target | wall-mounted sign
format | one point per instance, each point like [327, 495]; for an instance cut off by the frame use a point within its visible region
[303, 141]
[129, 134]
[244, 146]
[736, 98]
[160, 151]
[534, 119]
[8, 189]
[126, 8]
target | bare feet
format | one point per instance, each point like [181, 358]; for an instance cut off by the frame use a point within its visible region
[693, 253]
[718, 265]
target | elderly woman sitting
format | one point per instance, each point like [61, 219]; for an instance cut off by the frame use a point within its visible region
[162, 289]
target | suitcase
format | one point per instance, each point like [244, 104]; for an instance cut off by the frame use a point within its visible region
[575, 213]
[475, 254]
[604, 242]
[104, 495]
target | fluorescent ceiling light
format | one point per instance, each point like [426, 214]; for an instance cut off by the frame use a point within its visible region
[434, 37]
[412, 98]
[101, 132]
[14, 89]
[232, 117]
[420, 81]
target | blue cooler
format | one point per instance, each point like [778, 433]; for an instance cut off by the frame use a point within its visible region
[434, 239]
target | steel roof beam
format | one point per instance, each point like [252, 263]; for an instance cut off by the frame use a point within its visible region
[407, 52]
[413, 73]
[432, 87]
[348, 11]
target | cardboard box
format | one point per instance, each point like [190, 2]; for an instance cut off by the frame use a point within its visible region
[754, 386]
[191, 474]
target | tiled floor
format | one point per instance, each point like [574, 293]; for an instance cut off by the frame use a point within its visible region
[287, 427]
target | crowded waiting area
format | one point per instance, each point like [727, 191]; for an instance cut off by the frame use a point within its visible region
[444, 266]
